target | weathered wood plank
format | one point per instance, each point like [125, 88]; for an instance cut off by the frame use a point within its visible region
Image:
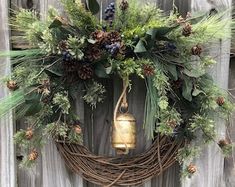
[7, 155]
[211, 162]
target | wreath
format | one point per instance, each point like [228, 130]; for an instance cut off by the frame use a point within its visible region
[71, 54]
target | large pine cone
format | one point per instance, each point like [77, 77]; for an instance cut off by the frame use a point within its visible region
[114, 37]
[85, 72]
[100, 36]
[93, 53]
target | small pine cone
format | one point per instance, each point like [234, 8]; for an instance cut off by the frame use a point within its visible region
[222, 143]
[12, 85]
[29, 133]
[187, 30]
[33, 155]
[93, 53]
[172, 123]
[192, 168]
[180, 20]
[196, 50]
[63, 45]
[124, 5]
[114, 37]
[220, 101]
[85, 72]
[78, 129]
[148, 70]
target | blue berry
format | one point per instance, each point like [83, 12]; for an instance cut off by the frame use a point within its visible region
[171, 46]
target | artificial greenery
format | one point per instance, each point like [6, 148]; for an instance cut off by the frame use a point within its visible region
[68, 56]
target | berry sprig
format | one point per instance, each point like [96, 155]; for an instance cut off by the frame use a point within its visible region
[113, 48]
[109, 13]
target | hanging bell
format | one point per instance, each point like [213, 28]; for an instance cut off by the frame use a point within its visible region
[124, 133]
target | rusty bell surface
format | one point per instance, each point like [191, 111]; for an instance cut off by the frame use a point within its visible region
[124, 132]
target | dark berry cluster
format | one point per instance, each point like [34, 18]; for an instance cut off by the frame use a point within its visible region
[171, 46]
[66, 56]
[109, 13]
[113, 48]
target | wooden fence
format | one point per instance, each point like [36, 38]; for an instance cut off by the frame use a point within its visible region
[51, 171]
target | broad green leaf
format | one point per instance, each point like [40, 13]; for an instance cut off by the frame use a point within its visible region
[33, 108]
[56, 23]
[108, 69]
[159, 31]
[187, 88]
[172, 69]
[196, 92]
[194, 72]
[93, 6]
[91, 41]
[140, 48]
[100, 71]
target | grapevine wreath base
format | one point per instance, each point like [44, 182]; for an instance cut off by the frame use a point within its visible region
[121, 171]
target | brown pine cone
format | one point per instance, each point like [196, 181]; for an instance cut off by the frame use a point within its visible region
[85, 72]
[12, 85]
[196, 50]
[148, 70]
[172, 123]
[100, 36]
[220, 101]
[93, 53]
[63, 45]
[78, 129]
[223, 142]
[113, 37]
[124, 5]
[187, 30]
[62, 20]
[192, 168]
[33, 155]
[29, 133]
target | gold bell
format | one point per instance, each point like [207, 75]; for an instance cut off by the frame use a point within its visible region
[124, 133]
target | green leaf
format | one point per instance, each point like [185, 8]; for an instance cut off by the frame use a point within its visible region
[194, 72]
[196, 92]
[108, 69]
[172, 69]
[56, 23]
[140, 48]
[93, 6]
[100, 71]
[33, 108]
[187, 88]
[159, 32]
[53, 73]
[91, 41]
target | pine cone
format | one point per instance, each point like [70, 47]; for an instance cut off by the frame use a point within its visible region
[196, 50]
[33, 155]
[192, 168]
[62, 20]
[172, 123]
[93, 53]
[85, 72]
[100, 36]
[177, 84]
[222, 143]
[12, 85]
[63, 45]
[124, 5]
[114, 37]
[187, 30]
[29, 133]
[148, 70]
[220, 101]
[78, 129]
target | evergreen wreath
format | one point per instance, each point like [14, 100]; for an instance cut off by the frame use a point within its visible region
[70, 54]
